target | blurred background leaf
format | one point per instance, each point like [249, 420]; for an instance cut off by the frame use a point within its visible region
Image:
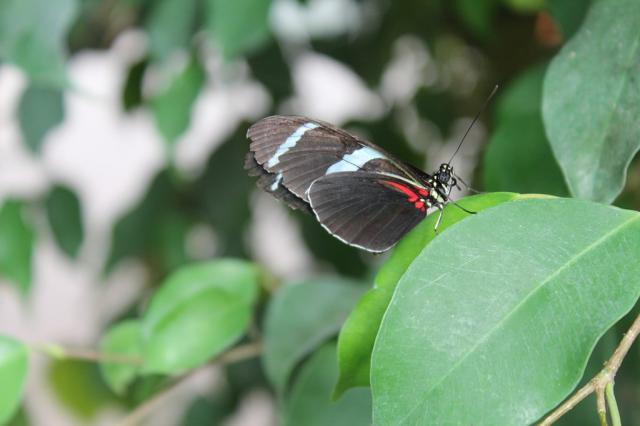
[170, 25]
[78, 387]
[172, 106]
[310, 400]
[65, 218]
[40, 109]
[13, 373]
[300, 318]
[198, 311]
[32, 36]
[17, 238]
[238, 26]
[519, 156]
[122, 339]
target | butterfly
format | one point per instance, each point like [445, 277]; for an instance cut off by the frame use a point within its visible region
[359, 193]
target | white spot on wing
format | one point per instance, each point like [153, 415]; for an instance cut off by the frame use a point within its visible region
[276, 182]
[290, 142]
[354, 161]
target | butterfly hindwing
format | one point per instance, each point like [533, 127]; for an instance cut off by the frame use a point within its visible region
[367, 209]
[299, 150]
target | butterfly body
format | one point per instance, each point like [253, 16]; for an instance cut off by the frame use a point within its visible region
[358, 192]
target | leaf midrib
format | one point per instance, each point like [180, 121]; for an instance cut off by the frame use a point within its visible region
[498, 325]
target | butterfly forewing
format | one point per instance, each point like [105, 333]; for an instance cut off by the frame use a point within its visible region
[367, 209]
[299, 150]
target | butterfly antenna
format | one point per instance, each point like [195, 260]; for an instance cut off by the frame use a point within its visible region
[484, 106]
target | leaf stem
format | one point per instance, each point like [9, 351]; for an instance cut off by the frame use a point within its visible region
[600, 383]
[239, 353]
[613, 405]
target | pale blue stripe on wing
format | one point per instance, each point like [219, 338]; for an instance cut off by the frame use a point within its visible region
[290, 142]
[354, 161]
[276, 182]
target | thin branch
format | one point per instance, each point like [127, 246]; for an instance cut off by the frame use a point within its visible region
[600, 382]
[602, 406]
[569, 404]
[60, 352]
[239, 353]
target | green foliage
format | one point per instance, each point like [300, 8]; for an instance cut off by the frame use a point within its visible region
[123, 339]
[78, 387]
[199, 311]
[13, 373]
[568, 14]
[227, 208]
[16, 244]
[496, 316]
[294, 328]
[65, 218]
[238, 26]
[592, 100]
[32, 36]
[359, 332]
[518, 289]
[519, 157]
[151, 229]
[40, 109]
[310, 402]
[170, 27]
[172, 107]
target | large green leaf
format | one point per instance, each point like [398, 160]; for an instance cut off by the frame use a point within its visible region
[122, 339]
[310, 401]
[199, 311]
[65, 217]
[16, 244]
[592, 100]
[499, 316]
[40, 109]
[300, 318]
[172, 107]
[238, 26]
[32, 36]
[519, 156]
[358, 334]
[13, 372]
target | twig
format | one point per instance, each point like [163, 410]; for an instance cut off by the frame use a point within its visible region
[601, 384]
[602, 406]
[60, 352]
[239, 353]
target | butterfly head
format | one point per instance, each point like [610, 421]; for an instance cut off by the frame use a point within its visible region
[444, 179]
[445, 174]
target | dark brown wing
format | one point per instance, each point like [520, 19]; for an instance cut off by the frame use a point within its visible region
[269, 182]
[368, 210]
[299, 150]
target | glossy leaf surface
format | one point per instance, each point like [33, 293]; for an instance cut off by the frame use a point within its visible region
[499, 316]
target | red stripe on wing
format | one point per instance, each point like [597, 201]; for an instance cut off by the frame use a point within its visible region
[402, 188]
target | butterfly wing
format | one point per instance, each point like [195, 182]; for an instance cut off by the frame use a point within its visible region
[298, 150]
[368, 210]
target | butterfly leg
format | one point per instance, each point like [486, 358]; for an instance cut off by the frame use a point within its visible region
[440, 207]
